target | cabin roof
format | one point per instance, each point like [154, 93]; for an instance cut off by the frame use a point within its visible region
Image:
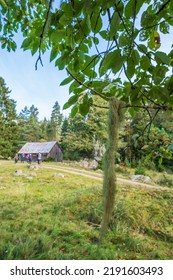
[37, 147]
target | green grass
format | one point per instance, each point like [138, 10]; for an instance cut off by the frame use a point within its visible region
[50, 217]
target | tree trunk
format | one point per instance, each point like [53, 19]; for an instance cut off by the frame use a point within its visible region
[109, 182]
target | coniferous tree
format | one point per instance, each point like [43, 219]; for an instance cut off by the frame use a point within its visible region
[54, 125]
[43, 130]
[8, 122]
[29, 125]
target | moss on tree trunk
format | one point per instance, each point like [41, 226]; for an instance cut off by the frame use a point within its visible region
[109, 183]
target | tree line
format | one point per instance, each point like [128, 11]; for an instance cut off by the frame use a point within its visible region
[144, 137]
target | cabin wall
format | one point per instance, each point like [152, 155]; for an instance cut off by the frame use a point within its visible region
[56, 153]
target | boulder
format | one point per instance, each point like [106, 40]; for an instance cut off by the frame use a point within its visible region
[59, 175]
[29, 177]
[84, 163]
[141, 178]
[93, 164]
[18, 173]
[34, 167]
[2, 188]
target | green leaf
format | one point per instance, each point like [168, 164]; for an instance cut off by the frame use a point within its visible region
[132, 8]
[124, 40]
[73, 86]
[72, 100]
[142, 48]
[135, 57]
[84, 108]
[57, 35]
[96, 22]
[132, 112]
[113, 60]
[145, 62]
[74, 111]
[115, 21]
[54, 53]
[129, 9]
[27, 43]
[91, 61]
[162, 57]
[130, 68]
[61, 63]
[104, 34]
[66, 81]
[159, 73]
[90, 73]
[35, 46]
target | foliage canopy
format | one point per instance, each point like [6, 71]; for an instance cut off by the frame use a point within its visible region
[92, 39]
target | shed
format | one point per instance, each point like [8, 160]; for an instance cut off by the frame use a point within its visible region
[47, 149]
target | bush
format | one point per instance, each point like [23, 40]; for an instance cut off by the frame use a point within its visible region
[165, 181]
[49, 159]
[122, 170]
[149, 164]
[140, 170]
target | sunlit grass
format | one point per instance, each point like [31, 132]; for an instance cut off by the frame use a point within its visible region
[48, 217]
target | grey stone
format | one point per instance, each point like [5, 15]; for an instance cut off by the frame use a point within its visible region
[93, 164]
[141, 178]
[2, 188]
[29, 177]
[18, 173]
[59, 175]
[33, 167]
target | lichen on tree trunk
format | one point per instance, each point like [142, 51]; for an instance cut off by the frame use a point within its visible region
[109, 183]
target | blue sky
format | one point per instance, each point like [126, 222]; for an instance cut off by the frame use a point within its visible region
[29, 86]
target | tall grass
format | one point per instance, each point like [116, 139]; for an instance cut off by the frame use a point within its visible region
[48, 217]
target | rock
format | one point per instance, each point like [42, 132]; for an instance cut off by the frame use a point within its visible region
[93, 164]
[141, 178]
[59, 175]
[29, 177]
[2, 188]
[18, 173]
[88, 164]
[84, 163]
[33, 167]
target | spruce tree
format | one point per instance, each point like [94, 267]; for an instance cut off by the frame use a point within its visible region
[8, 122]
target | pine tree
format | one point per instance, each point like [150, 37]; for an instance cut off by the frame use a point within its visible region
[54, 125]
[29, 125]
[8, 122]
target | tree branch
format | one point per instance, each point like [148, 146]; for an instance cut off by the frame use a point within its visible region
[163, 7]
[42, 35]
[159, 107]
[87, 87]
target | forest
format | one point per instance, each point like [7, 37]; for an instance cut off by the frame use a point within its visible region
[146, 138]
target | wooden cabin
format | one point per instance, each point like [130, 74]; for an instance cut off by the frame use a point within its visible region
[46, 149]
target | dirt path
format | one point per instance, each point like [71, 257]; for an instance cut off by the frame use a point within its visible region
[97, 176]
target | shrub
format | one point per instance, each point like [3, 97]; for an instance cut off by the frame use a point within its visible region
[49, 159]
[140, 170]
[165, 181]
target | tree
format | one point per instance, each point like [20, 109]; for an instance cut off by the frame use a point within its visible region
[29, 125]
[8, 122]
[91, 39]
[85, 137]
[54, 126]
[43, 130]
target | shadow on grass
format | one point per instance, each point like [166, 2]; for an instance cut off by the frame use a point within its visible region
[157, 234]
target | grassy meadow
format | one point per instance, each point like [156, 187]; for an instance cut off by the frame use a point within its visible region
[43, 216]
